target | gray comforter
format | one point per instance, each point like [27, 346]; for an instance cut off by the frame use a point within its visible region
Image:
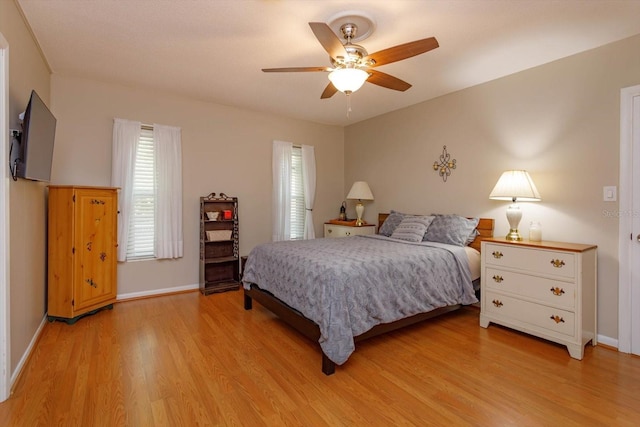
[348, 285]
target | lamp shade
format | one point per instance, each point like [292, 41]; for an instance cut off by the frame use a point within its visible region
[348, 80]
[515, 185]
[360, 191]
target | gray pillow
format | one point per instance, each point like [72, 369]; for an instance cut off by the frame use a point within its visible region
[390, 223]
[475, 233]
[412, 228]
[452, 230]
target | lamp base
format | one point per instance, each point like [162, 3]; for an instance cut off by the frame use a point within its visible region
[514, 214]
[513, 235]
[359, 213]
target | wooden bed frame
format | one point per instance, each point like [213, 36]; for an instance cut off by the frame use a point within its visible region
[311, 330]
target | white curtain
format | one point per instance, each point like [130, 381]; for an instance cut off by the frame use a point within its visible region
[309, 180]
[168, 155]
[126, 134]
[281, 168]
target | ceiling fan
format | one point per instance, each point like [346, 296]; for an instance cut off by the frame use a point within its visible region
[352, 65]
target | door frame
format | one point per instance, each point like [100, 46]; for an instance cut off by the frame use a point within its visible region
[5, 335]
[628, 338]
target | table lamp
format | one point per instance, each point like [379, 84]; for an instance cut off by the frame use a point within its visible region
[515, 185]
[360, 191]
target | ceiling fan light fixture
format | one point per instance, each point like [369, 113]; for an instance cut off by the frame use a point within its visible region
[348, 80]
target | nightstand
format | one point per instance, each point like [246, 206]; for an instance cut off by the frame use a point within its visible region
[546, 289]
[335, 230]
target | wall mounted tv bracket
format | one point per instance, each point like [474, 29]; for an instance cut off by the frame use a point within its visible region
[13, 162]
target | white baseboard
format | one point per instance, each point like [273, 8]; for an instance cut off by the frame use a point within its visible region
[611, 342]
[27, 352]
[156, 292]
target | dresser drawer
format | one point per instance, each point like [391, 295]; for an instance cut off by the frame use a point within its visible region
[539, 261]
[547, 291]
[334, 230]
[541, 316]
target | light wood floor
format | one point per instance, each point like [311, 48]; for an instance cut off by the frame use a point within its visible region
[187, 359]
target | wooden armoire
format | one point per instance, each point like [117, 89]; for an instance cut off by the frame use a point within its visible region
[82, 251]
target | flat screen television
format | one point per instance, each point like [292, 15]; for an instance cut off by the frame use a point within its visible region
[36, 143]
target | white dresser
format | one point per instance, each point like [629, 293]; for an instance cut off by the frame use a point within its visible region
[546, 289]
[335, 230]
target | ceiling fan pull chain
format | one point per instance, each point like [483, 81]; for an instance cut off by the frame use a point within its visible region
[348, 104]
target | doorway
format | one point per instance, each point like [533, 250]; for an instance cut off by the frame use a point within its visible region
[5, 365]
[629, 222]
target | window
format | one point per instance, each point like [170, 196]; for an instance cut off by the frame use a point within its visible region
[294, 186]
[147, 168]
[297, 195]
[140, 243]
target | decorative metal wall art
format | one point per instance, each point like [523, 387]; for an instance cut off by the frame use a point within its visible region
[445, 164]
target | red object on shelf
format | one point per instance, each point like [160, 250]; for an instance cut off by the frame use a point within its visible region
[226, 214]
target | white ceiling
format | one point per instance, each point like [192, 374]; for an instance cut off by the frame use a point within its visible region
[214, 50]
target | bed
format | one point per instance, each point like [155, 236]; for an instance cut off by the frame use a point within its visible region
[341, 291]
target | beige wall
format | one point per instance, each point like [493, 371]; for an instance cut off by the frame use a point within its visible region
[224, 149]
[27, 207]
[559, 121]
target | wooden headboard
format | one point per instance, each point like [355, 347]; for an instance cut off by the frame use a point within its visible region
[485, 228]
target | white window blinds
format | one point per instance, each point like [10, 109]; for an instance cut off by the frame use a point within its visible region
[141, 226]
[297, 195]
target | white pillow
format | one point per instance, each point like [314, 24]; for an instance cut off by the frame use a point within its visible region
[412, 228]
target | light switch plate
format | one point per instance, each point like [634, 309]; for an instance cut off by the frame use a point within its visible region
[609, 194]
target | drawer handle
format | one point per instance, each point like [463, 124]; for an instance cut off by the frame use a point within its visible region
[498, 279]
[557, 263]
[557, 291]
[497, 254]
[557, 319]
[498, 303]
[330, 230]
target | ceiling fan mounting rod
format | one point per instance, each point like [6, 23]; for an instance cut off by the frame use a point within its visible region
[349, 31]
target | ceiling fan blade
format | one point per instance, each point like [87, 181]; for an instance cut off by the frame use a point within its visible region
[295, 69]
[329, 91]
[385, 80]
[403, 51]
[329, 41]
